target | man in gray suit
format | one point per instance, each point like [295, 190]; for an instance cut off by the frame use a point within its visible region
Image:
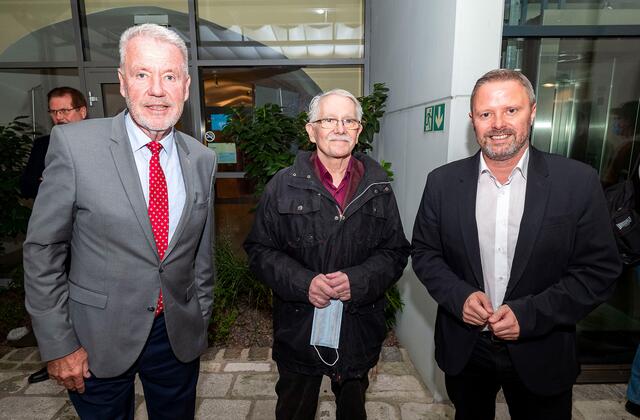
[131, 200]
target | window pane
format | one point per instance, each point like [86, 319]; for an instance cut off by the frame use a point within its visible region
[24, 92]
[572, 12]
[290, 87]
[36, 31]
[587, 109]
[246, 29]
[107, 19]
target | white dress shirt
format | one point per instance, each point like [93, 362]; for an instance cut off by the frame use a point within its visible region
[170, 164]
[499, 209]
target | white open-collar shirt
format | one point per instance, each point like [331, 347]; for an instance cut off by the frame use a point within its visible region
[499, 209]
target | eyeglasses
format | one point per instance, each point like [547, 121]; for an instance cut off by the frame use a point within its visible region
[63, 111]
[331, 123]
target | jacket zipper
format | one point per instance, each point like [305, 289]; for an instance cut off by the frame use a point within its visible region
[341, 212]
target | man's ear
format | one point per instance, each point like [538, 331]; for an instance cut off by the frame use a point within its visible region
[310, 132]
[123, 90]
[83, 112]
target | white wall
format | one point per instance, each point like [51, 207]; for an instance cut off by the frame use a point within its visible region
[428, 52]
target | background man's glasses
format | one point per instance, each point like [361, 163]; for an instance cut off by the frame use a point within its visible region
[331, 123]
[63, 111]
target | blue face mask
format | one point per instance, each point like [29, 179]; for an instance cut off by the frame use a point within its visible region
[325, 331]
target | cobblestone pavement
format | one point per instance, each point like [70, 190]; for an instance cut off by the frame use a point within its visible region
[239, 384]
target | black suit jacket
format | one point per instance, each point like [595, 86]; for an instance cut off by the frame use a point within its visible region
[30, 179]
[565, 264]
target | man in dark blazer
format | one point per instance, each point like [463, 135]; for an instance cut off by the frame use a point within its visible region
[516, 247]
[66, 105]
[130, 200]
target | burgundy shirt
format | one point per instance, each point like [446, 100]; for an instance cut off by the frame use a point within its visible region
[344, 192]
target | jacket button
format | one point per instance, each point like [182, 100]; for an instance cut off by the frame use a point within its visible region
[300, 208]
[294, 174]
[308, 176]
[151, 309]
[335, 218]
[386, 189]
[375, 191]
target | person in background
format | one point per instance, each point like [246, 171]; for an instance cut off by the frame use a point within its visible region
[66, 105]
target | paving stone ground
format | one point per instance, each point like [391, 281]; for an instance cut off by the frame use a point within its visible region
[239, 384]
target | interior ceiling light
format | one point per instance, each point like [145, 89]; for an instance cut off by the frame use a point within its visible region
[319, 11]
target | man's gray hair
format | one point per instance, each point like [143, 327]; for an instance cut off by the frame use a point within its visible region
[315, 103]
[503, 75]
[157, 32]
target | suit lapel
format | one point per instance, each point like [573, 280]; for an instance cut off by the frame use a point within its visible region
[468, 184]
[536, 197]
[128, 172]
[188, 177]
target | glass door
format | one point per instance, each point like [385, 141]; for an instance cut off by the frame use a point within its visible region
[103, 93]
[588, 96]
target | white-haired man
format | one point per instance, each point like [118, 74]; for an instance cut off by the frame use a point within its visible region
[328, 239]
[130, 199]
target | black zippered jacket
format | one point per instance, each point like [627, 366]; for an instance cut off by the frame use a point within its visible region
[299, 232]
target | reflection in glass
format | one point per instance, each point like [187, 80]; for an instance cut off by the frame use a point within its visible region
[588, 109]
[244, 29]
[107, 19]
[36, 31]
[571, 12]
[290, 87]
[24, 92]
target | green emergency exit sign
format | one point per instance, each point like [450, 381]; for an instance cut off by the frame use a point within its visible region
[434, 118]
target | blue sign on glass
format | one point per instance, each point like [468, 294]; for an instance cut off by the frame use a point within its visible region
[218, 121]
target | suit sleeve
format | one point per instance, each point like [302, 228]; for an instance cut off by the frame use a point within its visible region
[428, 253]
[589, 280]
[45, 252]
[371, 279]
[204, 263]
[288, 278]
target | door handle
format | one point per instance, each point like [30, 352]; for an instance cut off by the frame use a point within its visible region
[92, 99]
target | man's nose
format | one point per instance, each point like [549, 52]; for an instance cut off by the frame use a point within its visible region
[340, 128]
[156, 88]
[498, 121]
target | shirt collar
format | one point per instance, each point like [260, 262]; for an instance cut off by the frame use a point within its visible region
[324, 172]
[138, 139]
[521, 167]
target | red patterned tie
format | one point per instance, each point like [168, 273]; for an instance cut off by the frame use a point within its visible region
[158, 207]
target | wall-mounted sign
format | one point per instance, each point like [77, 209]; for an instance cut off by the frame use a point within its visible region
[226, 152]
[434, 118]
[209, 136]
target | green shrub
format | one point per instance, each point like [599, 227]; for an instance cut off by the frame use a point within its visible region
[15, 144]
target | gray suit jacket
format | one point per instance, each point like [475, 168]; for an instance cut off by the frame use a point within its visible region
[91, 206]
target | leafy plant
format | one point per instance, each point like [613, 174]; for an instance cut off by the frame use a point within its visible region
[372, 111]
[267, 138]
[235, 284]
[15, 144]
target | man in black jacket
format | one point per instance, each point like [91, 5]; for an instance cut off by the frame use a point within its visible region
[328, 239]
[516, 247]
[66, 105]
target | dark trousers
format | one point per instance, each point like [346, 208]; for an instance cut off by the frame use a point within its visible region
[298, 396]
[473, 391]
[169, 385]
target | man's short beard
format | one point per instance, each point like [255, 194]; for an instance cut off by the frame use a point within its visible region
[513, 150]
